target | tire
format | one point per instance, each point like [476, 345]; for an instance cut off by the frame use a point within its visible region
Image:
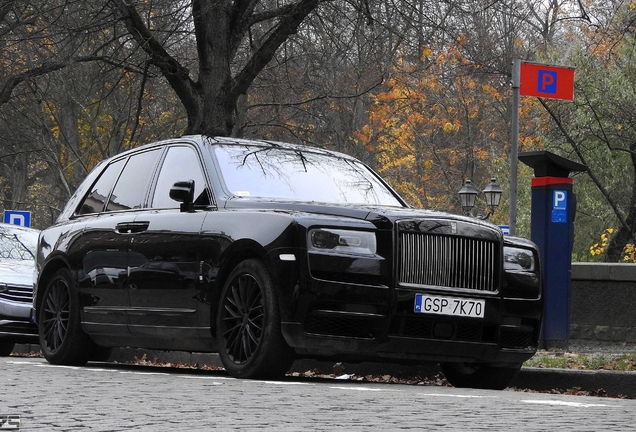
[479, 375]
[6, 348]
[62, 339]
[248, 325]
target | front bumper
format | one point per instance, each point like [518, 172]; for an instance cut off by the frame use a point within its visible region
[365, 323]
[399, 349]
[18, 331]
[16, 324]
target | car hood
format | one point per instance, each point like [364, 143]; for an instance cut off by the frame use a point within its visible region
[381, 217]
[16, 272]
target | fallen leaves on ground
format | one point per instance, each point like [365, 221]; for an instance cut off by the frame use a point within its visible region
[572, 360]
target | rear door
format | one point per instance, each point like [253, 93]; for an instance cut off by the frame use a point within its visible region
[99, 251]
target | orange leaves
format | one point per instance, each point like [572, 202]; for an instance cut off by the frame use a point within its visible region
[435, 118]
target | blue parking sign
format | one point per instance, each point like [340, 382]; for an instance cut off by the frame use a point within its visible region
[560, 200]
[17, 217]
[559, 206]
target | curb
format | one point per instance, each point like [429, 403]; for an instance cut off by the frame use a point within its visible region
[603, 382]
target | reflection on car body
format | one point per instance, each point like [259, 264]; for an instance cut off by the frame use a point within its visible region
[17, 265]
[265, 252]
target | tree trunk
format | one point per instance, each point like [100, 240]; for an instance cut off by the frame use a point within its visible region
[221, 27]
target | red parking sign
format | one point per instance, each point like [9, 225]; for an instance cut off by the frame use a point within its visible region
[546, 81]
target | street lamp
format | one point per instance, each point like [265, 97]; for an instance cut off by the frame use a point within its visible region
[467, 195]
[492, 194]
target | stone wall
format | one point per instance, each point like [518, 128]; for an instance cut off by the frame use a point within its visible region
[603, 303]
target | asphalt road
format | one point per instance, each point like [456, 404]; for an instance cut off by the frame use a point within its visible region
[111, 397]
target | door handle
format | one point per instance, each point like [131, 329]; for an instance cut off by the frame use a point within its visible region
[131, 227]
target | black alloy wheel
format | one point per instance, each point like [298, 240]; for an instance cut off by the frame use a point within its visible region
[62, 339]
[248, 325]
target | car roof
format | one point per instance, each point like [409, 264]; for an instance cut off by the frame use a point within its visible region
[272, 144]
[202, 140]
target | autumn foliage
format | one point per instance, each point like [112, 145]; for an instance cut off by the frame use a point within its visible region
[439, 121]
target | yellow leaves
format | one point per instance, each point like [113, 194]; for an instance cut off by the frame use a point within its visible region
[461, 39]
[492, 93]
[402, 162]
[481, 154]
[598, 248]
[629, 253]
[448, 127]
[426, 53]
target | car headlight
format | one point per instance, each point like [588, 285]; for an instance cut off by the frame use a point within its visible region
[518, 259]
[342, 241]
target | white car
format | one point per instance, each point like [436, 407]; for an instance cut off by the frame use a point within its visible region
[18, 247]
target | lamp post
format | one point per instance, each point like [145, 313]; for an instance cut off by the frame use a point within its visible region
[492, 194]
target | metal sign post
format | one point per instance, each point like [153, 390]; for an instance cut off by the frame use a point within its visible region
[514, 145]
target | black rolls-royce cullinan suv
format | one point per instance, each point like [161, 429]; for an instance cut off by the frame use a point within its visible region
[265, 252]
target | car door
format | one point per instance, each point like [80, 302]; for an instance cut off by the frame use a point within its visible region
[166, 290]
[99, 250]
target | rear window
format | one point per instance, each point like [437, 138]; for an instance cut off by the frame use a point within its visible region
[130, 190]
[96, 198]
[131, 178]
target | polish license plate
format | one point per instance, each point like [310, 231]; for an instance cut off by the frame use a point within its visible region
[455, 306]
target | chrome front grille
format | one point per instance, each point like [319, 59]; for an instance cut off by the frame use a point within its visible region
[21, 294]
[448, 261]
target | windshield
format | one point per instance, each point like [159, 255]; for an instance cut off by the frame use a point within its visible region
[294, 175]
[17, 244]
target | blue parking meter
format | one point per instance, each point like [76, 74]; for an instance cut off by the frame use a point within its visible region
[552, 229]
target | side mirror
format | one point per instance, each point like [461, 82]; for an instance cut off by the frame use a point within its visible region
[183, 192]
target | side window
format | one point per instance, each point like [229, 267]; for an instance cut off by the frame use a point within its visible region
[181, 163]
[94, 201]
[130, 190]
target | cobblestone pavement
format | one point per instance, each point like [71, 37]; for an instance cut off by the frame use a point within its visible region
[107, 397]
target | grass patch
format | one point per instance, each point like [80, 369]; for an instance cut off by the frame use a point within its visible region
[618, 362]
